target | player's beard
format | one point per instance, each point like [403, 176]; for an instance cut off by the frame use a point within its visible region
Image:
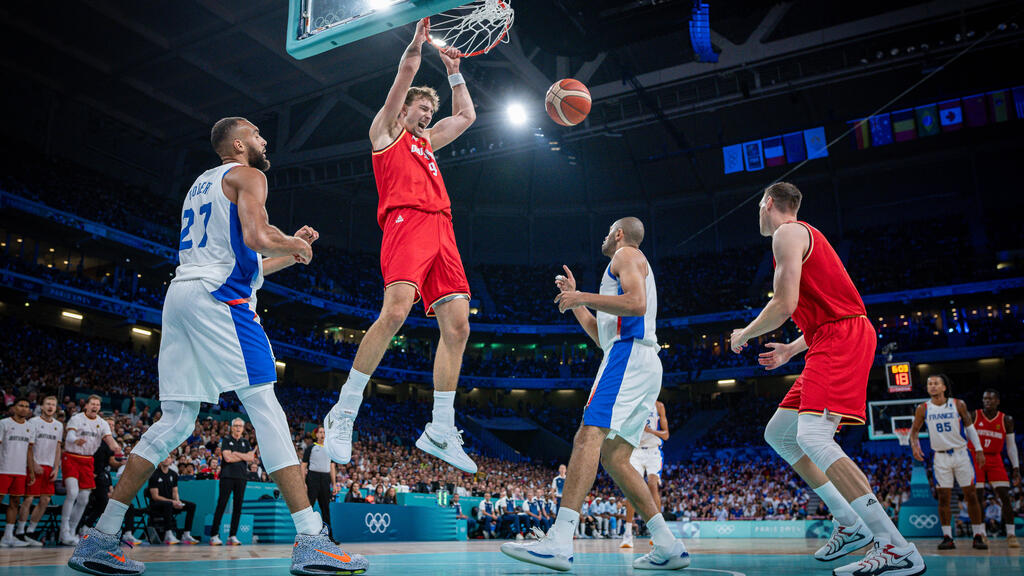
[258, 160]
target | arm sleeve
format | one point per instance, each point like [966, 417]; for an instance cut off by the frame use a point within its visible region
[72, 436]
[972, 435]
[305, 455]
[1011, 450]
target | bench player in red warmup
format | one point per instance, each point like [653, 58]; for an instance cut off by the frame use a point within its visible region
[418, 256]
[812, 286]
[996, 430]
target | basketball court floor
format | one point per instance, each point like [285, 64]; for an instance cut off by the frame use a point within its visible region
[479, 557]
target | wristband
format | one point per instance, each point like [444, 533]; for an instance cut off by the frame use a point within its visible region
[456, 79]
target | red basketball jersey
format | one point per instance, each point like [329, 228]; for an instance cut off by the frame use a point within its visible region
[991, 432]
[407, 177]
[827, 293]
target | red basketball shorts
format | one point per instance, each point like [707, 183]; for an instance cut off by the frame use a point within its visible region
[419, 249]
[836, 369]
[42, 486]
[80, 467]
[13, 484]
[993, 472]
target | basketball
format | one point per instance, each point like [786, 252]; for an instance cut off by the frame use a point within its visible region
[567, 102]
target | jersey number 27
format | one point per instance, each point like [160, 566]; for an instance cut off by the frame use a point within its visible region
[190, 218]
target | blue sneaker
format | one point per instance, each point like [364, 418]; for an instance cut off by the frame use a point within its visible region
[664, 558]
[314, 555]
[101, 554]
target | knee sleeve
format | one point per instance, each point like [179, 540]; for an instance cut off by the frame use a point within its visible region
[780, 434]
[167, 433]
[816, 437]
[272, 433]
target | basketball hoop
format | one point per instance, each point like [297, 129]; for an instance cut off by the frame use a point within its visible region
[903, 435]
[472, 29]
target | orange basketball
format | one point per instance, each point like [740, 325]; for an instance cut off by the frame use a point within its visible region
[568, 102]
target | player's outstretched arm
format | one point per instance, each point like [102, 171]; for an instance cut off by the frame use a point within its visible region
[381, 129]
[915, 429]
[463, 112]
[271, 265]
[249, 187]
[788, 245]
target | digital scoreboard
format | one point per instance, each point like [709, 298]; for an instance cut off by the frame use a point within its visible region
[897, 376]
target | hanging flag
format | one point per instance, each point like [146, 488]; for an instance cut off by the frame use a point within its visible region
[861, 133]
[975, 113]
[997, 106]
[774, 155]
[881, 130]
[794, 145]
[814, 139]
[927, 120]
[752, 156]
[903, 126]
[1018, 101]
[733, 156]
[951, 115]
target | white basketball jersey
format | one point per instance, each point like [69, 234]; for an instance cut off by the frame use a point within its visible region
[611, 328]
[45, 437]
[14, 439]
[944, 426]
[211, 247]
[649, 440]
[92, 429]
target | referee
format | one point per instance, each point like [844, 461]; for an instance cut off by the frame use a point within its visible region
[319, 472]
[235, 453]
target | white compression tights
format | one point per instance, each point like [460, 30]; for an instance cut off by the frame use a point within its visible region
[272, 433]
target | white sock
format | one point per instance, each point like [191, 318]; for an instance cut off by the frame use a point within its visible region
[838, 505]
[112, 518]
[947, 530]
[871, 511]
[168, 534]
[20, 528]
[566, 523]
[31, 527]
[308, 522]
[352, 392]
[627, 531]
[978, 529]
[1011, 530]
[660, 533]
[9, 532]
[187, 534]
[444, 408]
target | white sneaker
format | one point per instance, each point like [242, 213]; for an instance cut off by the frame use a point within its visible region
[234, 541]
[215, 541]
[188, 539]
[844, 539]
[170, 539]
[545, 552]
[131, 539]
[68, 539]
[31, 541]
[338, 433]
[446, 445]
[886, 559]
[662, 558]
[13, 542]
[627, 541]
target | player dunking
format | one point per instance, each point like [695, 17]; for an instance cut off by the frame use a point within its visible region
[647, 460]
[418, 257]
[996, 430]
[624, 394]
[944, 415]
[812, 286]
[213, 342]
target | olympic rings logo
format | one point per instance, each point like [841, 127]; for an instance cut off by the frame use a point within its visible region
[924, 521]
[724, 529]
[378, 523]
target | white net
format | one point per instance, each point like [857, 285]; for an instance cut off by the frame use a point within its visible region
[473, 28]
[903, 435]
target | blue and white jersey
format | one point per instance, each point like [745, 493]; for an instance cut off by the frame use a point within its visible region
[944, 426]
[211, 247]
[611, 328]
[649, 440]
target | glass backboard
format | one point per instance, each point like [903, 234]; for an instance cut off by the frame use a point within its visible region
[886, 415]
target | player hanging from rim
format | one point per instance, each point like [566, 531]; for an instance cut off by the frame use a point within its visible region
[419, 257]
[647, 460]
[996, 430]
[944, 416]
[624, 394]
[812, 286]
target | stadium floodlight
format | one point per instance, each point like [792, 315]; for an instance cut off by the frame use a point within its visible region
[72, 315]
[517, 114]
[141, 331]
